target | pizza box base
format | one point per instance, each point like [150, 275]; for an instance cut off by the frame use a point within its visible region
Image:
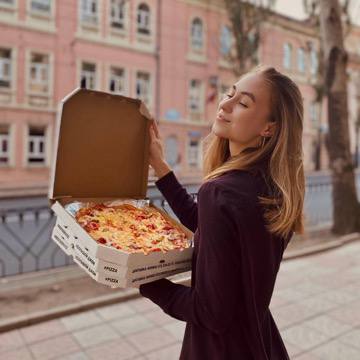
[62, 237]
[101, 266]
[124, 282]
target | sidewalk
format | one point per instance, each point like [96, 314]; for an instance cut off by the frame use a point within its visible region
[316, 305]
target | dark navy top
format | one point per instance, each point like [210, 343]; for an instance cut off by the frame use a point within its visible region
[234, 266]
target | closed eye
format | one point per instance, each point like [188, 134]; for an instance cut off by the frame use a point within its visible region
[229, 96]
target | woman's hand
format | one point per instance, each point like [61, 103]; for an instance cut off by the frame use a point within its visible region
[156, 152]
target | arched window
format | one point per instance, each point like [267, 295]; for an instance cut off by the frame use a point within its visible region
[287, 56]
[143, 19]
[117, 14]
[197, 33]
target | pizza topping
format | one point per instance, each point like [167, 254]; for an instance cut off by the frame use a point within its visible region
[131, 229]
[102, 240]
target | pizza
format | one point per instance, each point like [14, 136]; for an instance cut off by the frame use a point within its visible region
[130, 228]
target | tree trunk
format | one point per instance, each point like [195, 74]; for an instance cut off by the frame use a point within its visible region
[346, 209]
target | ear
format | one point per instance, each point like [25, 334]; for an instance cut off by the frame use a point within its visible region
[269, 129]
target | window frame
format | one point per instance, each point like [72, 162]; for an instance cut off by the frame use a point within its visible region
[287, 55]
[150, 96]
[45, 139]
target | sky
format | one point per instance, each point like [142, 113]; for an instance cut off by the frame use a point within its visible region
[294, 8]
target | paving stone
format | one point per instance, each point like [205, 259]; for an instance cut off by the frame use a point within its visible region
[42, 331]
[118, 349]
[132, 324]
[290, 294]
[317, 304]
[303, 337]
[327, 325]
[158, 317]
[335, 350]
[306, 356]
[339, 296]
[54, 348]
[176, 328]
[351, 338]
[79, 355]
[169, 353]
[81, 320]
[292, 313]
[112, 312]
[10, 340]
[349, 314]
[143, 304]
[17, 354]
[95, 335]
[151, 339]
[292, 349]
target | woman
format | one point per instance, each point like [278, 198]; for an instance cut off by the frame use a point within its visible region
[248, 207]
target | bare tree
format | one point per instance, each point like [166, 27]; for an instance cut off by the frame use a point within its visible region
[246, 19]
[346, 208]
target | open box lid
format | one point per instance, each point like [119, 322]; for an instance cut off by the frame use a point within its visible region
[101, 147]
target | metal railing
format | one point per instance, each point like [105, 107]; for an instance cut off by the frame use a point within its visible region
[25, 234]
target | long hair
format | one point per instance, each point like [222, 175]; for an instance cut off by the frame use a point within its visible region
[281, 157]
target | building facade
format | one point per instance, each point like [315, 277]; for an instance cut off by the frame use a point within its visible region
[171, 54]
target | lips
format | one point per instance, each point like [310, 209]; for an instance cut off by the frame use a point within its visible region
[221, 118]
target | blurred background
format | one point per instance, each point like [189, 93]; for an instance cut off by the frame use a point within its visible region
[179, 57]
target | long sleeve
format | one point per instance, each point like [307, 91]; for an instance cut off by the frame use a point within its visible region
[180, 201]
[212, 301]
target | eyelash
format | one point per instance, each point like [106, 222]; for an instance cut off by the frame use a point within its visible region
[239, 102]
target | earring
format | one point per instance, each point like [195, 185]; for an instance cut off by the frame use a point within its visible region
[262, 142]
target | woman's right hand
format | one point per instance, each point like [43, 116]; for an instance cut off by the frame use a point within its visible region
[156, 151]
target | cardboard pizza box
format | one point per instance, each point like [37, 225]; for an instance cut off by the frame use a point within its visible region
[101, 153]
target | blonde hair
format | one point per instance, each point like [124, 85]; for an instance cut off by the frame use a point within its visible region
[281, 157]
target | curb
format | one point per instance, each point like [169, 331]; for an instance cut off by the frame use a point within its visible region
[128, 294]
[310, 250]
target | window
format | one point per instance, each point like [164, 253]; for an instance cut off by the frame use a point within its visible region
[197, 34]
[39, 73]
[193, 152]
[171, 150]
[41, 6]
[36, 145]
[143, 19]
[117, 14]
[88, 75]
[313, 110]
[117, 80]
[4, 144]
[195, 96]
[287, 56]
[225, 40]
[313, 61]
[222, 91]
[301, 60]
[5, 68]
[89, 12]
[8, 3]
[143, 87]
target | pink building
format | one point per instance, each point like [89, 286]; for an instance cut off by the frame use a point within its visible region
[171, 54]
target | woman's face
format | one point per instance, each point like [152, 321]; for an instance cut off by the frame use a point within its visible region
[242, 114]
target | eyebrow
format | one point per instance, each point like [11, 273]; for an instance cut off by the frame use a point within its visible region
[251, 95]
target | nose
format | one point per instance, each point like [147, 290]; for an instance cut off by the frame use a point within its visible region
[226, 105]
